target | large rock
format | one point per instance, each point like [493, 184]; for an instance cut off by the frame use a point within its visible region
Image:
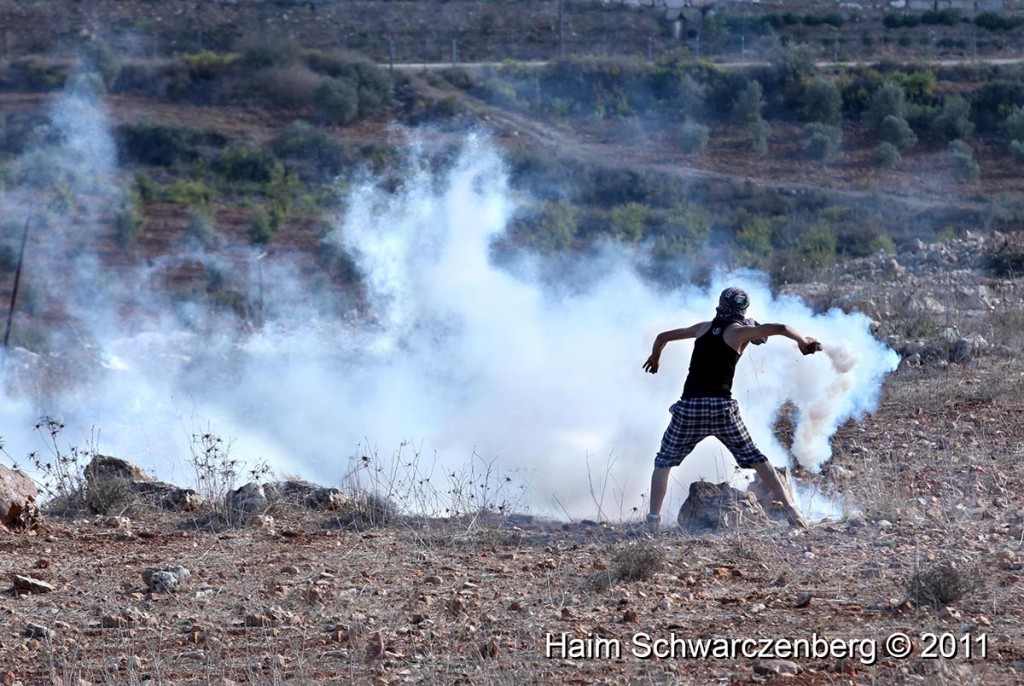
[18, 495]
[248, 499]
[104, 470]
[713, 507]
[308, 494]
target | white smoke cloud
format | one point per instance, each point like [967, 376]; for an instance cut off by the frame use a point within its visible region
[460, 359]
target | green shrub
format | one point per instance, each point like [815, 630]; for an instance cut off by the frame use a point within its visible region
[992, 21]
[372, 83]
[200, 227]
[292, 85]
[882, 243]
[303, 141]
[954, 121]
[1005, 257]
[887, 155]
[265, 55]
[128, 220]
[759, 132]
[962, 162]
[897, 132]
[790, 63]
[550, 229]
[943, 17]
[629, 222]
[160, 145]
[994, 101]
[693, 136]
[98, 57]
[263, 224]
[39, 74]
[690, 98]
[749, 103]
[249, 164]
[754, 243]
[684, 231]
[818, 246]
[821, 141]
[190, 192]
[889, 100]
[1014, 124]
[631, 131]
[943, 584]
[823, 102]
[336, 101]
[1017, 151]
[209, 65]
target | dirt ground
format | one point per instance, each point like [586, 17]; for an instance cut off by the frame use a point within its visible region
[935, 477]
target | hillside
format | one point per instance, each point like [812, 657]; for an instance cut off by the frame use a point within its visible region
[244, 226]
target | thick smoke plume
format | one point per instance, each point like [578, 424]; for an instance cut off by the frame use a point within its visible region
[459, 362]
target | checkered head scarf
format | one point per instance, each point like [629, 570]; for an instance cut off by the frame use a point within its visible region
[732, 304]
[732, 307]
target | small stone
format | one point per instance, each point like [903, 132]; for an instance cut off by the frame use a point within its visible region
[28, 584]
[37, 631]
[166, 580]
[803, 600]
[120, 523]
[290, 569]
[434, 579]
[779, 667]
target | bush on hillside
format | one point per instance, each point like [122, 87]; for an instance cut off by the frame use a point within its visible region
[823, 102]
[954, 121]
[961, 160]
[693, 136]
[896, 131]
[336, 101]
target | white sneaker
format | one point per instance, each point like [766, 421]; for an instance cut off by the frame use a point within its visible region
[652, 524]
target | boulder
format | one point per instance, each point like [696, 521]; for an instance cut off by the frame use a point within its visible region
[18, 495]
[105, 468]
[170, 496]
[713, 507]
[169, 579]
[247, 499]
[308, 494]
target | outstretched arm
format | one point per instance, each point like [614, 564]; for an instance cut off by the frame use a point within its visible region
[665, 337]
[740, 336]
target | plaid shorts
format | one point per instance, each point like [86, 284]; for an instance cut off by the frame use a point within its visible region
[694, 419]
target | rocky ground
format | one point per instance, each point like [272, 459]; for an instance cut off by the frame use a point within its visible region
[930, 549]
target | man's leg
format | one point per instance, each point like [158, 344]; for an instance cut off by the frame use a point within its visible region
[767, 472]
[659, 487]
[736, 438]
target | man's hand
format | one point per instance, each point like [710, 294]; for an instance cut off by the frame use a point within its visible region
[651, 365]
[810, 346]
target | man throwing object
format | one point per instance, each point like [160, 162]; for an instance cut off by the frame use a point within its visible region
[707, 407]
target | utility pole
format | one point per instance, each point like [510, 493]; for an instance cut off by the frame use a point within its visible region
[455, 51]
[17, 282]
[561, 30]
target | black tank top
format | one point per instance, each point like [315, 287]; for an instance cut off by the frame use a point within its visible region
[712, 365]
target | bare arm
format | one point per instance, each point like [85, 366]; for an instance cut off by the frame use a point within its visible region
[665, 337]
[738, 337]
